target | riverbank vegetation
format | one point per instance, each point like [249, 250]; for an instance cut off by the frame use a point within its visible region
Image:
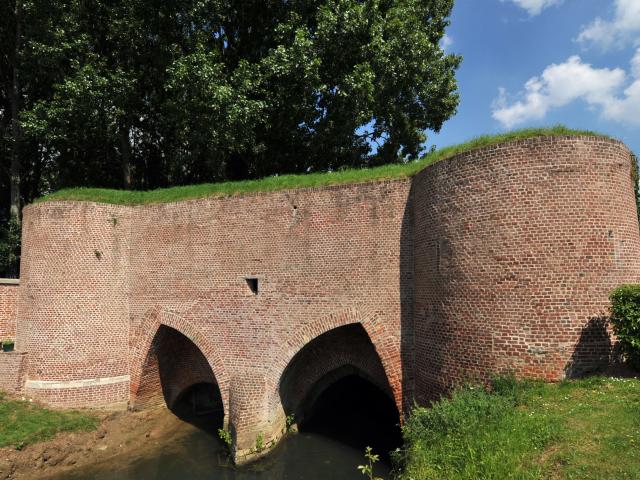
[285, 182]
[23, 423]
[586, 429]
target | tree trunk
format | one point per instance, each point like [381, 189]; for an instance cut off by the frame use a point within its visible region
[14, 173]
[125, 151]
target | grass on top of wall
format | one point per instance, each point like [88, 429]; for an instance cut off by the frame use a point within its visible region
[23, 423]
[285, 182]
[583, 429]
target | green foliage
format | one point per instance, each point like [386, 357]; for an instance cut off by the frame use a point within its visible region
[474, 434]
[289, 422]
[225, 436]
[216, 90]
[625, 320]
[367, 469]
[259, 442]
[7, 345]
[283, 182]
[10, 249]
[23, 423]
[527, 430]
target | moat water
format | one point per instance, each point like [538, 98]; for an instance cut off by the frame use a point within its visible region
[198, 456]
[330, 446]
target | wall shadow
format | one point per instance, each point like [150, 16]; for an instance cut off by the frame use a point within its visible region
[424, 336]
[594, 351]
[201, 406]
[407, 299]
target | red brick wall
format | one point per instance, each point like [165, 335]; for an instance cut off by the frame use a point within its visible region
[517, 249]
[324, 258]
[74, 305]
[514, 251]
[12, 370]
[8, 300]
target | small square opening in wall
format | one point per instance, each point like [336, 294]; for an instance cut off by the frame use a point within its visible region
[252, 282]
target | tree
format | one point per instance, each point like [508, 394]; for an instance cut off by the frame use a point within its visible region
[152, 93]
[156, 93]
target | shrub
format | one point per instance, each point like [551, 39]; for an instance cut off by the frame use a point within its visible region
[259, 442]
[225, 436]
[625, 321]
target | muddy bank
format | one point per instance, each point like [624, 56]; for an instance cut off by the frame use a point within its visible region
[122, 433]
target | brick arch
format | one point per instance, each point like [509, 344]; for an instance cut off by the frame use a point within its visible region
[386, 345]
[147, 331]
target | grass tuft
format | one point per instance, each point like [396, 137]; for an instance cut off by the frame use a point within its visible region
[23, 423]
[586, 429]
[287, 182]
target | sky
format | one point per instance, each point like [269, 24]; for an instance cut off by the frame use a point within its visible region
[532, 63]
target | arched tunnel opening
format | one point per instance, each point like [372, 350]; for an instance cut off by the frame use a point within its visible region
[200, 405]
[336, 386]
[356, 412]
[177, 372]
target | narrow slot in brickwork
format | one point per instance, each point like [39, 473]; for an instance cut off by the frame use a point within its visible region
[252, 282]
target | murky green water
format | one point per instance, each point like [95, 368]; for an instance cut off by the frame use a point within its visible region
[347, 417]
[197, 455]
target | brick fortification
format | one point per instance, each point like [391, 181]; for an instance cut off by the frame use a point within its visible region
[8, 300]
[497, 260]
[11, 364]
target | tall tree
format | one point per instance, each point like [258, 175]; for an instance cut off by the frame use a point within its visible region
[16, 92]
[151, 93]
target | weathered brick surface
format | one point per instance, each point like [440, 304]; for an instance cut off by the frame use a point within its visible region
[517, 249]
[111, 396]
[74, 307]
[12, 371]
[8, 301]
[324, 258]
[496, 260]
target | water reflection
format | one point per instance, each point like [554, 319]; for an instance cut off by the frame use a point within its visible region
[345, 418]
[197, 455]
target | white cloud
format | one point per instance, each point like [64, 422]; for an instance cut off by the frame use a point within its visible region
[635, 64]
[534, 7]
[608, 91]
[446, 42]
[624, 28]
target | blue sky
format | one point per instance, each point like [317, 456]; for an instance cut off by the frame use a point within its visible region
[531, 63]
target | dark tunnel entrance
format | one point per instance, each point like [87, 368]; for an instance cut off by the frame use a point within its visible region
[357, 413]
[200, 405]
[336, 386]
[177, 372]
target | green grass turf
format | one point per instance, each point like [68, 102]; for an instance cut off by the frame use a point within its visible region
[584, 429]
[286, 182]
